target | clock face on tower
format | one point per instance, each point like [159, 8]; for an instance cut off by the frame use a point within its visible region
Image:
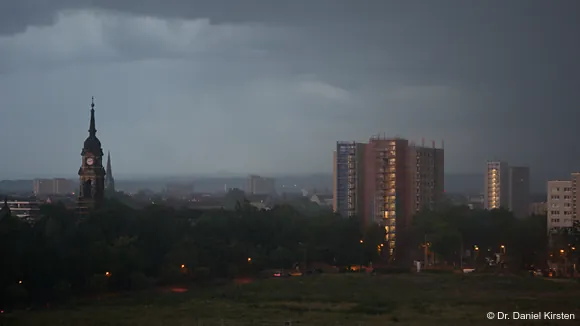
[90, 161]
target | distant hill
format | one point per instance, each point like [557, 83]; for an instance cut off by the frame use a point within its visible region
[15, 186]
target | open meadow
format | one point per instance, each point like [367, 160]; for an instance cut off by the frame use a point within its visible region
[419, 299]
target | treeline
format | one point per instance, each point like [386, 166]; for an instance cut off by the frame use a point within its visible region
[119, 248]
[458, 233]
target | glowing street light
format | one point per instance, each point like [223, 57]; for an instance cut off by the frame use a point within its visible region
[476, 248]
[502, 248]
[107, 274]
[182, 265]
[249, 260]
[361, 241]
[20, 282]
[562, 251]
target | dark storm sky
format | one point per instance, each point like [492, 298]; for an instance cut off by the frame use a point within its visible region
[268, 86]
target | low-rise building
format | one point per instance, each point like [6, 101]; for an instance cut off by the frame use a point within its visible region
[24, 209]
[56, 186]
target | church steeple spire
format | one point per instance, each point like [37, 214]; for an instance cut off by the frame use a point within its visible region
[109, 172]
[92, 129]
[109, 180]
[92, 143]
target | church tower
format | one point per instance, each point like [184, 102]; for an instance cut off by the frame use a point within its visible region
[91, 173]
[109, 180]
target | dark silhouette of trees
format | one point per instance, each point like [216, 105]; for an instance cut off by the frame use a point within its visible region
[457, 232]
[121, 248]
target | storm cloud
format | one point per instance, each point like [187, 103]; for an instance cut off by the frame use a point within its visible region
[269, 86]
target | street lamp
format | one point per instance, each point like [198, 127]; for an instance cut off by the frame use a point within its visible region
[562, 251]
[249, 260]
[361, 255]
[107, 274]
[182, 265]
[502, 248]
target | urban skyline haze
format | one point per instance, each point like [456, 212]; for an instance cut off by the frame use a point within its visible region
[268, 87]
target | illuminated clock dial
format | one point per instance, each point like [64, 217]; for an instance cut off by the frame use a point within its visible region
[90, 161]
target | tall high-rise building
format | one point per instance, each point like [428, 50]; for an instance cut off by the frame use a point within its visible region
[348, 178]
[507, 187]
[496, 193]
[258, 185]
[519, 188]
[388, 188]
[386, 181]
[427, 176]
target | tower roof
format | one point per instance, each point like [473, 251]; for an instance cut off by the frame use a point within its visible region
[92, 143]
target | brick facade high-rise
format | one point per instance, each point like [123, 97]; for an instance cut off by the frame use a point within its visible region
[386, 181]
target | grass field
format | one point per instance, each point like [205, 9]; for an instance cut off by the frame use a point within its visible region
[419, 299]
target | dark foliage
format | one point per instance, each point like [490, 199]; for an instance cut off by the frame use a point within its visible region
[118, 248]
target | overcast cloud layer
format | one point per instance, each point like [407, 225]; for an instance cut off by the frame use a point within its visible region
[256, 86]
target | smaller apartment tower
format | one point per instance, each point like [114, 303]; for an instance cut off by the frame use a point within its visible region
[496, 193]
[348, 177]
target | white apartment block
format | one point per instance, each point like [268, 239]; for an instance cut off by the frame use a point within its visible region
[560, 204]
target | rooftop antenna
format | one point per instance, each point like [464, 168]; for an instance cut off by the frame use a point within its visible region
[423, 141]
